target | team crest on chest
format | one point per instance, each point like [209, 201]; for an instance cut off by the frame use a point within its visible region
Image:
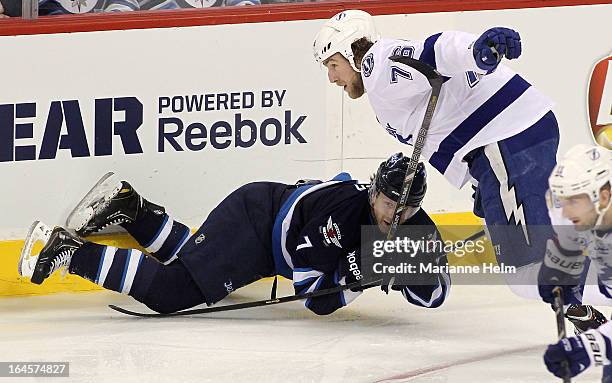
[331, 233]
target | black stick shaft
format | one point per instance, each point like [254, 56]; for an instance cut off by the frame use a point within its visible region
[266, 302]
[435, 80]
[560, 317]
[246, 305]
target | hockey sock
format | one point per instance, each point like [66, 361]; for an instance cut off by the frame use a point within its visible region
[159, 234]
[126, 271]
[162, 288]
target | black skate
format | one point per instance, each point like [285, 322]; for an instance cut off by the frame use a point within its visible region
[38, 236]
[109, 202]
[56, 254]
[584, 318]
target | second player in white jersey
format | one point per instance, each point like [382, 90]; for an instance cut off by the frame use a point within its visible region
[579, 208]
[579, 202]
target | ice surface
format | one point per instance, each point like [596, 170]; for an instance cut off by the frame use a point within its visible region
[481, 334]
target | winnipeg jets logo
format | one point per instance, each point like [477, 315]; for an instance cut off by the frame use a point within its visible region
[331, 233]
[391, 162]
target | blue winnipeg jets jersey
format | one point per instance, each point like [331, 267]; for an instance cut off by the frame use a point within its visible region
[317, 239]
[473, 109]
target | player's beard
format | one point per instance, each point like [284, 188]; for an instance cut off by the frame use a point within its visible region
[355, 89]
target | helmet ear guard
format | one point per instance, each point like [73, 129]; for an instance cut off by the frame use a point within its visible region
[340, 32]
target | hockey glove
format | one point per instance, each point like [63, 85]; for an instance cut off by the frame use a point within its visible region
[580, 352]
[584, 318]
[494, 44]
[561, 268]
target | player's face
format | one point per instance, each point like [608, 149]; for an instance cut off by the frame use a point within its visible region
[580, 210]
[341, 73]
[383, 209]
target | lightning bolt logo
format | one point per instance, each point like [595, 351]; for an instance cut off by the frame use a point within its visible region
[507, 192]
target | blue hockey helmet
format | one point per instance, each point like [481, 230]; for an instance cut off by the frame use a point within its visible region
[390, 177]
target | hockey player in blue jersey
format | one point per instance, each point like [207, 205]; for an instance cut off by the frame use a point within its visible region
[309, 233]
[490, 126]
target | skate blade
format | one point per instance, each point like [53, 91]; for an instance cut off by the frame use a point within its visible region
[38, 232]
[107, 187]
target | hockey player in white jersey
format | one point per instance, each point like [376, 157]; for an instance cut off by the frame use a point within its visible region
[490, 125]
[579, 206]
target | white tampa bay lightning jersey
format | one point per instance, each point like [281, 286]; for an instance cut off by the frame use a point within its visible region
[596, 245]
[473, 109]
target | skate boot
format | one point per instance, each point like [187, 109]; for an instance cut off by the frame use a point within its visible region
[109, 202]
[38, 234]
[56, 254]
[584, 317]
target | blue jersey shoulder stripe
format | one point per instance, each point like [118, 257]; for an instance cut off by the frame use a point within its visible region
[429, 53]
[476, 121]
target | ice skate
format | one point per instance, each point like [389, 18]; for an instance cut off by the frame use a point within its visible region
[110, 202]
[57, 252]
[38, 233]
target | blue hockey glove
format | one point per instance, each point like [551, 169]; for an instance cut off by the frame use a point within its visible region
[579, 351]
[494, 44]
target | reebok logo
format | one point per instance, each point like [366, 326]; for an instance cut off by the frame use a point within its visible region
[353, 266]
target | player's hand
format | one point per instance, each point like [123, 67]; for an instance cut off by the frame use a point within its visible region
[579, 352]
[560, 268]
[349, 269]
[494, 44]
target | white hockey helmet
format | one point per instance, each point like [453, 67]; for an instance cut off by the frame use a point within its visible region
[583, 169]
[339, 32]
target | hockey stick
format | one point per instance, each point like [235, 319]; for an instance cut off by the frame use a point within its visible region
[435, 80]
[247, 305]
[561, 334]
[266, 302]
